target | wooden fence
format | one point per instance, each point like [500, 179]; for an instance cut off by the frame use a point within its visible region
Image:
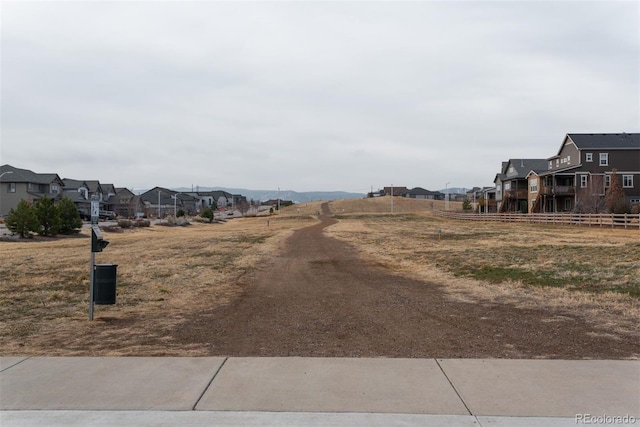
[598, 220]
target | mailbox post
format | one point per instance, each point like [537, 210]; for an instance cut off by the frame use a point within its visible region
[97, 245]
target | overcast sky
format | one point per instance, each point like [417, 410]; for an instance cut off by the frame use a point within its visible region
[310, 95]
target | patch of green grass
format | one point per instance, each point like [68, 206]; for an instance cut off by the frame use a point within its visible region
[494, 274]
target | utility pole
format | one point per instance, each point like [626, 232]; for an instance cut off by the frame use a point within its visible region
[391, 198]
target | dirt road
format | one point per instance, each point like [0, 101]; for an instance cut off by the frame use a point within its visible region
[318, 298]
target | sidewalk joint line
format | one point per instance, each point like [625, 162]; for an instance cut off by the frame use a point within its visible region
[209, 384]
[16, 364]
[457, 392]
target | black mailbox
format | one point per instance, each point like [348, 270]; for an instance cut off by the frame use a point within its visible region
[104, 291]
[97, 241]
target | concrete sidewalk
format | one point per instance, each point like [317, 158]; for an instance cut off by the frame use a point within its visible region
[132, 391]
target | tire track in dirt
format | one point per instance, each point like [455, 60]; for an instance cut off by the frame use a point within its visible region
[319, 298]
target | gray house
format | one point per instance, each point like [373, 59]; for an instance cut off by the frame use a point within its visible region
[162, 202]
[22, 184]
[578, 177]
[80, 193]
[421, 193]
[512, 184]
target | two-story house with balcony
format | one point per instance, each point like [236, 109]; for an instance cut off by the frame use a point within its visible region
[22, 184]
[514, 184]
[577, 177]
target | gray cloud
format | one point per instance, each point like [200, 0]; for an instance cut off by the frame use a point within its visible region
[309, 95]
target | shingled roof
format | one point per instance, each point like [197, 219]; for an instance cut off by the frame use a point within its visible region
[606, 141]
[25, 175]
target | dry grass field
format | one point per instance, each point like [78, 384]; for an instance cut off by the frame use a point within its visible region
[166, 275]
[590, 272]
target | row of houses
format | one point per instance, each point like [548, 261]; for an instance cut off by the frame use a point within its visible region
[575, 179]
[22, 184]
[414, 193]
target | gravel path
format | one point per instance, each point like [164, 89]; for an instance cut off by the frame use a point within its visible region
[318, 298]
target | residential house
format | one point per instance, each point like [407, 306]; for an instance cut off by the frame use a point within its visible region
[223, 199]
[108, 191]
[421, 193]
[514, 184]
[577, 177]
[487, 202]
[124, 203]
[497, 182]
[161, 202]
[22, 184]
[396, 191]
[80, 193]
[205, 200]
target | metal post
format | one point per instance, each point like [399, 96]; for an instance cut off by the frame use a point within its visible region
[95, 211]
[391, 198]
[158, 204]
[91, 284]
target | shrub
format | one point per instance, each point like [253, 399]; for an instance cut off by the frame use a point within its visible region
[614, 199]
[142, 223]
[22, 220]
[208, 214]
[48, 216]
[70, 222]
[180, 213]
[125, 223]
[182, 222]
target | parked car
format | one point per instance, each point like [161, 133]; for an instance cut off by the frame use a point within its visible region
[107, 215]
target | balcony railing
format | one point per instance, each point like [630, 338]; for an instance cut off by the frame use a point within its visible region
[516, 194]
[558, 190]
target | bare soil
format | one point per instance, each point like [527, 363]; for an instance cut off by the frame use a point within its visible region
[319, 297]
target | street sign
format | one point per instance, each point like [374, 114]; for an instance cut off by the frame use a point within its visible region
[95, 210]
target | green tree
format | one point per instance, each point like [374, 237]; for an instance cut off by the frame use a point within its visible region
[207, 213]
[615, 199]
[70, 222]
[466, 205]
[180, 213]
[23, 219]
[48, 216]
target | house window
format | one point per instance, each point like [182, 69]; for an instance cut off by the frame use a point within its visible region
[584, 179]
[533, 185]
[604, 159]
[567, 204]
[627, 181]
[607, 181]
[550, 164]
[588, 157]
[12, 187]
[54, 188]
[507, 186]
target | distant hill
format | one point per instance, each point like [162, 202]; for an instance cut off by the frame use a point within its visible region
[296, 197]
